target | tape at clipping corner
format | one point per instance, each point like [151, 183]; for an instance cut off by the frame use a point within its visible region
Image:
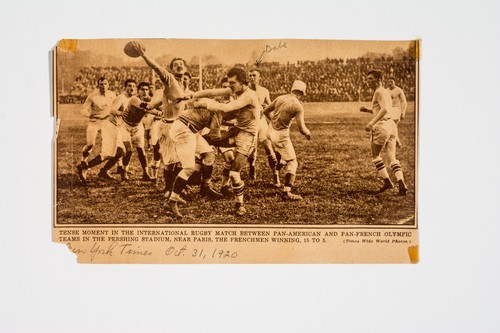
[413, 254]
[68, 45]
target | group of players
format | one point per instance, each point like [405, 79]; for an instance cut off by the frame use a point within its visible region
[188, 128]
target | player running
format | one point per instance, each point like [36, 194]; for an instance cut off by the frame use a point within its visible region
[281, 112]
[264, 99]
[398, 102]
[96, 108]
[112, 145]
[384, 132]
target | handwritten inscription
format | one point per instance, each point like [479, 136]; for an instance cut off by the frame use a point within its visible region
[200, 253]
[128, 249]
[269, 49]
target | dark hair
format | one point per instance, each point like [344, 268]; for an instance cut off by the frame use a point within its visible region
[188, 74]
[240, 74]
[127, 81]
[255, 70]
[142, 84]
[102, 78]
[377, 73]
[224, 80]
[175, 59]
[391, 78]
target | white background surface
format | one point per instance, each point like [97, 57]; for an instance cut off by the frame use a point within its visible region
[455, 287]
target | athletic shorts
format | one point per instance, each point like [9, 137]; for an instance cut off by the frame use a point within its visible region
[167, 148]
[155, 132]
[187, 144]
[281, 143]
[94, 126]
[384, 131]
[245, 142]
[111, 139]
[134, 134]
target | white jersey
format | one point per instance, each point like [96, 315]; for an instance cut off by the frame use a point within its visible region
[382, 98]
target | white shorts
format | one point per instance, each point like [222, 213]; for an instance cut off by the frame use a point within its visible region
[155, 132]
[111, 139]
[282, 143]
[167, 147]
[184, 141]
[384, 131]
[93, 127]
[134, 134]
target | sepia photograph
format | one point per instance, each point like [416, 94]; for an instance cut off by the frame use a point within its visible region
[236, 132]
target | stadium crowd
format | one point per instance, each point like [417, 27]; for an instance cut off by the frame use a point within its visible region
[328, 80]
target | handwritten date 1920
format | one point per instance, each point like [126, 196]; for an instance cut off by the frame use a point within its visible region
[200, 253]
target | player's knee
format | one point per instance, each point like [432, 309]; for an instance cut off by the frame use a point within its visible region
[235, 177]
[239, 162]
[291, 166]
[185, 173]
[209, 158]
[87, 148]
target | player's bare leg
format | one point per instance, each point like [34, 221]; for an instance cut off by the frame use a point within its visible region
[126, 160]
[396, 166]
[272, 161]
[206, 176]
[144, 164]
[155, 163]
[238, 184]
[291, 170]
[252, 159]
[381, 168]
[225, 189]
[170, 172]
[104, 172]
[179, 185]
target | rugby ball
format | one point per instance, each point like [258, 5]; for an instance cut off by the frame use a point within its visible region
[131, 50]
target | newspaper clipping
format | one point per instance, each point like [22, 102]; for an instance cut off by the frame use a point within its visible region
[236, 151]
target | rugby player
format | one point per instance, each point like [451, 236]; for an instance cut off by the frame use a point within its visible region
[264, 99]
[96, 108]
[112, 145]
[281, 113]
[398, 102]
[247, 110]
[384, 132]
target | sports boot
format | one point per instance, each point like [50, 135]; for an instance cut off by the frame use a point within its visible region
[240, 210]
[172, 206]
[226, 191]
[207, 191]
[402, 187]
[289, 196]
[387, 185]
[104, 174]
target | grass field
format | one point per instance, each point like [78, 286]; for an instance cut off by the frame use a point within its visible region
[335, 176]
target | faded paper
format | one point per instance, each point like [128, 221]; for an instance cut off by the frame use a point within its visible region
[341, 218]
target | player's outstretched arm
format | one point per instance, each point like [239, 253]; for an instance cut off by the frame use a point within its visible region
[159, 70]
[212, 93]
[215, 106]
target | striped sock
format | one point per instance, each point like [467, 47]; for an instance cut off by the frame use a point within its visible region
[238, 190]
[382, 170]
[398, 171]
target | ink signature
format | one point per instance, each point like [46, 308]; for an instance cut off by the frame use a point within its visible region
[269, 49]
